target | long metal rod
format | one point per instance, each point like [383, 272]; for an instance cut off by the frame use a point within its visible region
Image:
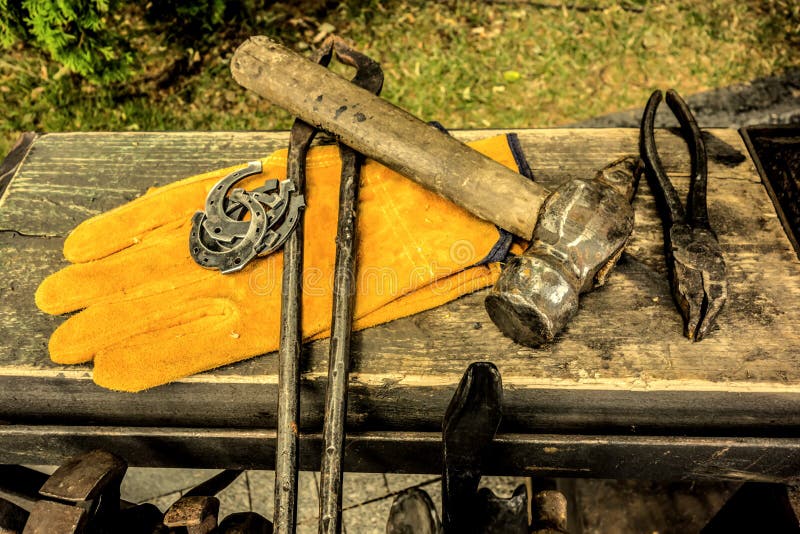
[330, 499]
[369, 76]
[285, 513]
[291, 335]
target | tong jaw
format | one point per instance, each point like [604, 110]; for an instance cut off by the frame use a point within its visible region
[698, 277]
[694, 256]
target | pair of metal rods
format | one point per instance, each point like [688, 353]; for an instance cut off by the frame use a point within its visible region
[368, 76]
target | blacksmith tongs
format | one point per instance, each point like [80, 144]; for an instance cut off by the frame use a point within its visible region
[694, 256]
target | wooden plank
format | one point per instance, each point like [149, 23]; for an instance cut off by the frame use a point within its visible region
[622, 362]
[652, 457]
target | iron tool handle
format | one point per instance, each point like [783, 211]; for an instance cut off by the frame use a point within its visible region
[389, 135]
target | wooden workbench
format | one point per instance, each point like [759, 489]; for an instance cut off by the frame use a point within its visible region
[621, 393]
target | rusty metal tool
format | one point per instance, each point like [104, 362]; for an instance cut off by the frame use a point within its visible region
[197, 511]
[291, 334]
[193, 515]
[469, 426]
[413, 512]
[291, 337]
[81, 496]
[582, 230]
[694, 256]
[85, 489]
[369, 77]
[470, 423]
[444, 165]
[549, 510]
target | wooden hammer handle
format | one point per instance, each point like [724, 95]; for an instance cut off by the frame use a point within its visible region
[389, 135]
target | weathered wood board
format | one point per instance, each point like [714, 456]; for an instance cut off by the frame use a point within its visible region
[622, 365]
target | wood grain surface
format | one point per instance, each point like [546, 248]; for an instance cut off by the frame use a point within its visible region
[622, 364]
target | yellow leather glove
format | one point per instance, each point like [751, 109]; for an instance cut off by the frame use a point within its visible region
[152, 315]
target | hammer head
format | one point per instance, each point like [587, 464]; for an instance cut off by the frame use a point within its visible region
[532, 300]
[582, 229]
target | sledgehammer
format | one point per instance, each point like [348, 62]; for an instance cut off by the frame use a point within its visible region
[576, 233]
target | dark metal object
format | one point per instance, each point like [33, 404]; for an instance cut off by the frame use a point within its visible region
[290, 343]
[549, 509]
[469, 427]
[12, 517]
[90, 482]
[197, 511]
[81, 494]
[758, 507]
[21, 485]
[369, 77]
[197, 515]
[389, 135]
[86, 478]
[291, 335]
[776, 154]
[413, 512]
[244, 523]
[470, 424]
[582, 230]
[500, 515]
[221, 239]
[140, 519]
[50, 517]
[694, 257]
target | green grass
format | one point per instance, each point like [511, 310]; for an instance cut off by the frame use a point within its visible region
[465, 64]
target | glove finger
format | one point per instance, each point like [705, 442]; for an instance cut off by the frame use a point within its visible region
[113, 324]
[155, 358]
[206, 333]
[158, 263]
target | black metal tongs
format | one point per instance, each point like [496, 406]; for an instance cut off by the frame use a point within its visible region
[694, 256]
[368, 76]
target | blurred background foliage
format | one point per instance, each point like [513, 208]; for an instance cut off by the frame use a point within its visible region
[112, 65]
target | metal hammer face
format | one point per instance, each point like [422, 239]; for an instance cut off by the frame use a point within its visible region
[580, 234]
